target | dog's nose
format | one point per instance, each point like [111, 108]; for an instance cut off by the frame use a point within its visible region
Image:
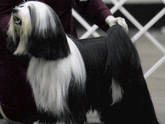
[14, 10]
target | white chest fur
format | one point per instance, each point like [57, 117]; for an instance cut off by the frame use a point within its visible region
[50, 80]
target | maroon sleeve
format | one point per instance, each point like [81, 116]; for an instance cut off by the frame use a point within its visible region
[96, 11]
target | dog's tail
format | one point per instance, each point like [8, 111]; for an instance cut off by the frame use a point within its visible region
[122, 60]
[129, 88]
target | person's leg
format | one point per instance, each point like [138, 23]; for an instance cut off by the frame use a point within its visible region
[8, 120]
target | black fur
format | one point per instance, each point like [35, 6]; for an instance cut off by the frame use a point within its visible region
[113, 57]
[47, 44]
[105, 58]
[12, 45]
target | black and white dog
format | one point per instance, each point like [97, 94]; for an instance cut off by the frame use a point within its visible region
[69, 77]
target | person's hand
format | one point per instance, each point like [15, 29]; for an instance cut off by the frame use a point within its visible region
[110, 20]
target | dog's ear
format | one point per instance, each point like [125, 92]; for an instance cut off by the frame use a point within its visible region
[11, 44]
[48, 38]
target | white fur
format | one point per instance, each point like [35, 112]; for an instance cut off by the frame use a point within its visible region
[21, 47]
[117, 92]
[50, 80]
[24, 30]
[43, 13]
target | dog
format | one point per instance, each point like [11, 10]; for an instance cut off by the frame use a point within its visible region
[69, 77]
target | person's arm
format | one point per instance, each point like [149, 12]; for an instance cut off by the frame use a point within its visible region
[111, 20]
[99, 13]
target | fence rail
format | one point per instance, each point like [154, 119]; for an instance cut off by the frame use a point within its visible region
[118, 5]
[136, 1]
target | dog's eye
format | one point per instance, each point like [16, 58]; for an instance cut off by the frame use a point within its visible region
[17, 21]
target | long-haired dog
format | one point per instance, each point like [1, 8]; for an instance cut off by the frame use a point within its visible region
[69, 77]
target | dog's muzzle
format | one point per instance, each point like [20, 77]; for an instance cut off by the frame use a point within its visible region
[17, 20]
[14, 11]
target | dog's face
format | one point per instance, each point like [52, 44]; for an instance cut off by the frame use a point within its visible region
[20, 20]
[20, 28]
[35, 29]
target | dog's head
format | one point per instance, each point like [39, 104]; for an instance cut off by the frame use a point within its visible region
[35, 29]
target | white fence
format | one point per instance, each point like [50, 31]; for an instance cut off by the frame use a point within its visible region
[118, 5]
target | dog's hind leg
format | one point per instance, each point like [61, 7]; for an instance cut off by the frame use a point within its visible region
[135, 105]
[117, 92]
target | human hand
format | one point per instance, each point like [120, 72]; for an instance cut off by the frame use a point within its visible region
[110, 20]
